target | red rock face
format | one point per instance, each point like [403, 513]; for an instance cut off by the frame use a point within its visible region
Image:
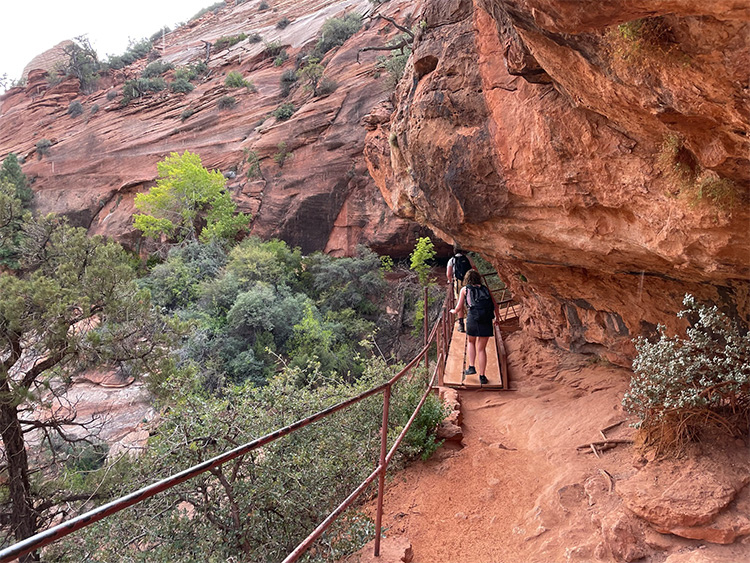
[322, 199]
[538, 133]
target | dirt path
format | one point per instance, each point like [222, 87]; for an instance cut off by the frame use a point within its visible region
[516, 489]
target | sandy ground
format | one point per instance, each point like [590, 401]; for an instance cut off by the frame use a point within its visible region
[518, 490]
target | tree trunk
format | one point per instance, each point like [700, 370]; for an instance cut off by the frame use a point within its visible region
[23, 517]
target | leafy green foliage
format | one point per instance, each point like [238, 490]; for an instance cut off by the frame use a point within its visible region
[284, 111]
[15, 196]
[258, 507]
[424, 251]
[336, 31]
[82, 64]
[11, 171]
[287, 80]
[76, 305]
[281, 156]
[133, 89]
[181, 86]
[156, 68]
[253, 163]
[227, 41]
[187, 203]
[235, 79]
[283, 22]
[136, 50]
[682, 385]
[191, 71]
[312, 72]
[281, 58]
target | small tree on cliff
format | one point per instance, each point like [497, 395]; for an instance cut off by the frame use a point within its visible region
[188, 203]
[14, 197]
[76, 304]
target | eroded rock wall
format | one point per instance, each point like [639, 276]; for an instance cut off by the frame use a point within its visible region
[321, 199]
[539, 133]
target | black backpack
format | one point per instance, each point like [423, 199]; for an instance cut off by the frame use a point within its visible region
[482, 308]
[461, 265]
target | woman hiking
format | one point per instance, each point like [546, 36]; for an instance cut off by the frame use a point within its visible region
[476, 296]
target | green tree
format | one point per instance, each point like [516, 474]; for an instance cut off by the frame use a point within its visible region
[11, 171]
[15, 195]
[82, 63]
[336, 31]
[76, 305]
[424, 251]
[312, 72]
[188, 203]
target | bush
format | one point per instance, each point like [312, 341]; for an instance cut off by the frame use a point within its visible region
[683, 385]
[327, 86]
[111, 95]
[281, 58]
[255, 38]
[281, 156]
[272, 49]
[226, 102]
[228, 40]
[283, 22]
[235, 80]
[139, 87]
[288, 78]
[191, 71]
[94, 109]
[336, 31]
[181, 86]
[42, 148]
[156, 68]
[159, 34]
[186, 114]
[75, 108]
[136, 50]
[263, 6]
[284, 112]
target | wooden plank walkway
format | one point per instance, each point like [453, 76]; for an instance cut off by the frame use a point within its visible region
[457, 363]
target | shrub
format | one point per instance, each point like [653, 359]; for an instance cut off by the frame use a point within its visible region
[263, 6]
[159, 34]
[42, 148]
[75, 108]
[683, 385]
[136, 50]
[156, 68]
[281, 156]
[186, 114]
[235, 80]
[226, 102]
[111, 95]
[181, 86]
[284, 112]
[272, 49]
[637, 40]
[139, 87]
[281, 58]
[253, 163]
[191, 71]
[94, 109]
[228, 40]
[327, 86]
[288, 78]
[336, 31]
[283, 22]
[255, 38]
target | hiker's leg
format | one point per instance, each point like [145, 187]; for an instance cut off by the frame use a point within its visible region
[471, 350]
[481, 353]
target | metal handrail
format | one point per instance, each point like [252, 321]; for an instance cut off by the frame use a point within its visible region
[53, 534]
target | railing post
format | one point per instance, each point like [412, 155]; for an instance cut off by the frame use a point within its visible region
[426, 323]
[381, 477]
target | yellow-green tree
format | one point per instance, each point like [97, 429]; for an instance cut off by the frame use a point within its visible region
[188, 203]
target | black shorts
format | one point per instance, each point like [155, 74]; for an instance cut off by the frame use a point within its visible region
[478, 328]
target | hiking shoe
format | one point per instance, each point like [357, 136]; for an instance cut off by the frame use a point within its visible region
[470, 371]
[483, 380]
[461, 327]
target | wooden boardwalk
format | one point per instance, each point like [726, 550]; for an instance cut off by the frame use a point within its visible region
[457, 363]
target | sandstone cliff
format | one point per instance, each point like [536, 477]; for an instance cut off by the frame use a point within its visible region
[596, 152]
[322, 199]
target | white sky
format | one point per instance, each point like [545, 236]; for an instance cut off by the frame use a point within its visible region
[30, 28]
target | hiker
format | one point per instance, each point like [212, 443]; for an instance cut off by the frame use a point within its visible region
[457, 267]
[477, 297]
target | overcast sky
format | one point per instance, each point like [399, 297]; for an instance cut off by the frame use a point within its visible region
[30, 28]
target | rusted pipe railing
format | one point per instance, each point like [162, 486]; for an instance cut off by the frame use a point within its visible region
[46, 537]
